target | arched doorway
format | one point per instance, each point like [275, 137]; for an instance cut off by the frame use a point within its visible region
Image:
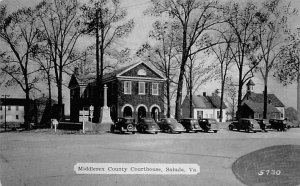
[155, 113]
[127, 112]
[141, 112]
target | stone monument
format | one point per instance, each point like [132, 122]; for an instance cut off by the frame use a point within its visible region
[105, 121]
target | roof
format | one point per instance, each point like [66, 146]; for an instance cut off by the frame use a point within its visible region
[259, 107]
[259, 98]
[250, 82]
[207, 102]
[84, 79]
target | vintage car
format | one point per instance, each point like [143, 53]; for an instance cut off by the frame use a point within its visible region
[209, 124]
[245, 124]
[148, 125]
[123, 125]
[190, 124]
[264, 124]
[170, 125]
[278, 124]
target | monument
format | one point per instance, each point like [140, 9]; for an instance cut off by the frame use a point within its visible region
[105, 121]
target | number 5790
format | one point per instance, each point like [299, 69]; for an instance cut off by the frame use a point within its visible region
[269, 172]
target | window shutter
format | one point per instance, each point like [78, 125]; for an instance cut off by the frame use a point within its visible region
[150, 88]
[146, 88]
[123, 86]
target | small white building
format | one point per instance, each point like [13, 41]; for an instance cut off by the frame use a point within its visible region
[204, 106]
[14, 110]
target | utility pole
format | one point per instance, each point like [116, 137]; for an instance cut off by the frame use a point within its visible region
[5, 96]
[298, 84]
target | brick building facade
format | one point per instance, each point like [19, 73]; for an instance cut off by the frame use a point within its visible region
[136, 90]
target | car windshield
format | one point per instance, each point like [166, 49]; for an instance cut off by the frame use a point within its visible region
[171, 120]
[129, 120]
[254, 121]
[212, 121]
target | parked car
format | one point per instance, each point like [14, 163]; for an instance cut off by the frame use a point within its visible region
[245, 124]
[170, 125]
[148, 125]
[126, 124]
[278, 124]
[209, 124]
[190, 124]
[264, 124]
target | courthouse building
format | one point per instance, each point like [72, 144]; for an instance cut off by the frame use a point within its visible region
[136, 90]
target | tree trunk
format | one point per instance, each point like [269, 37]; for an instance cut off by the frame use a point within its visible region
[221, 101]
[179, 89]
[49, 96]
[27, 109]
[191, 92]
[298, 95]
[240, 92]
[265, 97]
[168, 100]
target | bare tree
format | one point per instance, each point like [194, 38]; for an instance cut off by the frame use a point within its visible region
[197, 74]
[224, 57]
[242, 21]
[163, 56]
[272, 20]
[104, 20]
[60, 33]
[193, 19]
[19, 32]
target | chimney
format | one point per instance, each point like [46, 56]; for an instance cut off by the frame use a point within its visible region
[204, 94]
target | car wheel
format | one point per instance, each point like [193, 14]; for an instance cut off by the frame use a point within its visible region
[133, 132]
[230, 128]
[196, 131]
[112, 129]
[215, 131]
[129, 127]
[247, 130]
[187, 130]
[169, 131]
[179, 132]
[156, 132]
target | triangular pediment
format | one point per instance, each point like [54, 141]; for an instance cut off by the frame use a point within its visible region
[141, 70]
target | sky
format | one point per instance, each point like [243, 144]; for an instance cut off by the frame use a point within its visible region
[143, 24]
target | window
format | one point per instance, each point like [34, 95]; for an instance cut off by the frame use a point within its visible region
[200, 114]
[8, 107]
[0, 107]
[256, 116]
[218, 114]
[1, 117]
[142, 88]
[127, 87]
[17, 117]
[17, 107]
[154, 88]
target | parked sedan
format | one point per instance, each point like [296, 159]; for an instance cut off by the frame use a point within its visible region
[148, 125]
[190, 124]
[278, 124]
[264, 124]
[245, 124]
[126, 124]
[209, 124]
[170, 125]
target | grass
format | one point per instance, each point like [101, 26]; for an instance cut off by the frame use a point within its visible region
[277, 165]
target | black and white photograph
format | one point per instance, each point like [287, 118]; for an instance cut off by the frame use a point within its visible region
[149, 92]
